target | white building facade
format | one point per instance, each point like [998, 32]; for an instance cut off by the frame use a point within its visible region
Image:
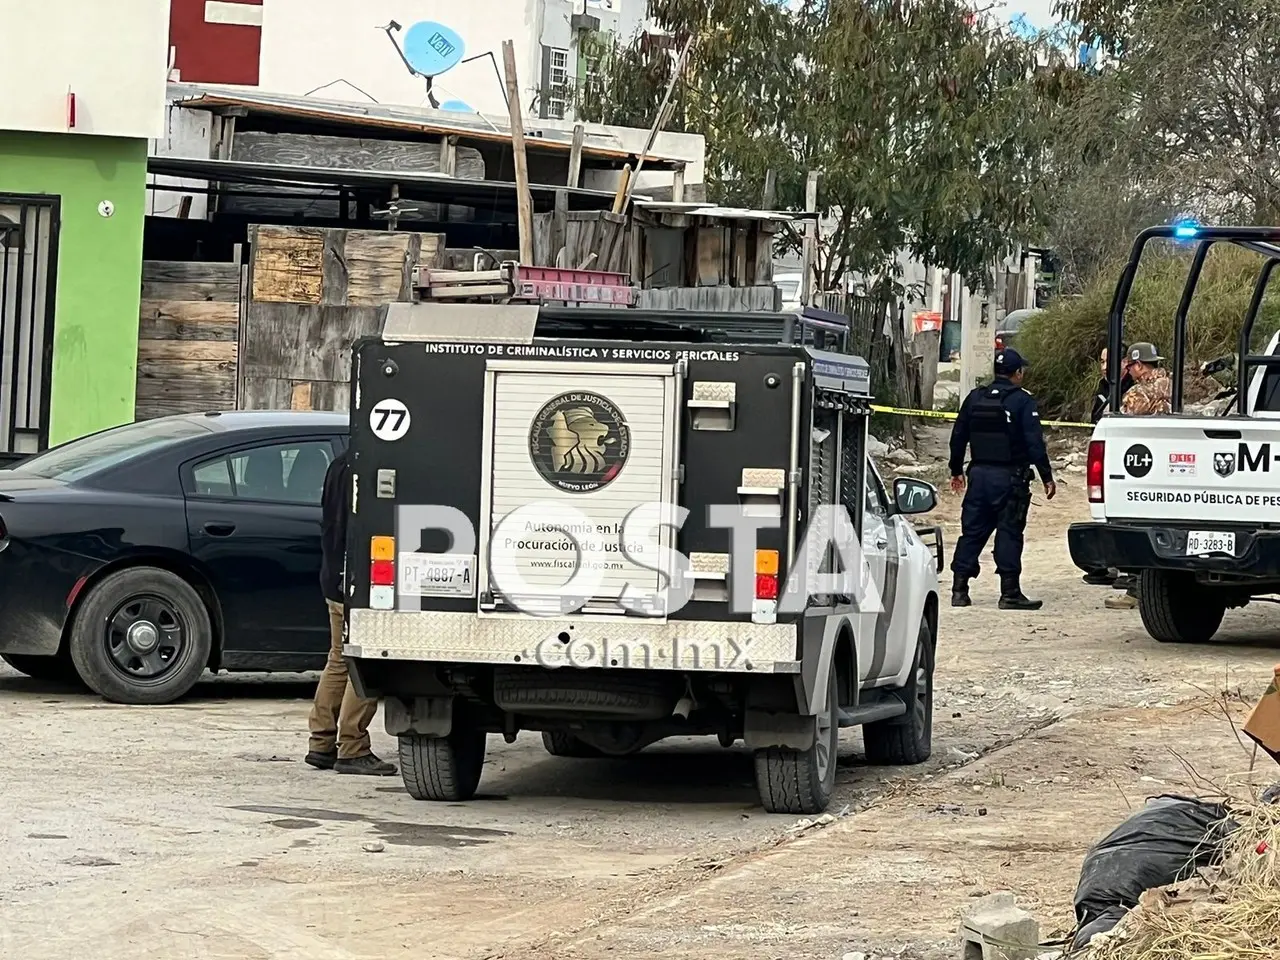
[337, 49]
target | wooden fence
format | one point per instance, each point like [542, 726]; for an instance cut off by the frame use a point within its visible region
[188, 336]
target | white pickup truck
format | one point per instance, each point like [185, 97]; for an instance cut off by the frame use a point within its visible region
[1191, 504]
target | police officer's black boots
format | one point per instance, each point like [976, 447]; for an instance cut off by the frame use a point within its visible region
[1012, 597]
[960, 592]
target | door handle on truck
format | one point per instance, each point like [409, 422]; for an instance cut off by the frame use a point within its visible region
[219, 529]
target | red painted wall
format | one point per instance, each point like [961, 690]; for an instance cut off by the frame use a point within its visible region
[213, 52]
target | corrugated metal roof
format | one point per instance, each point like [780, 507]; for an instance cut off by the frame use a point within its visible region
[408, 119]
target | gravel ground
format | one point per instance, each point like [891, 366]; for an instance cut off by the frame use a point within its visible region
[195, 830]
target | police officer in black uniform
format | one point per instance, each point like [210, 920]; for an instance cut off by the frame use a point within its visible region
[999, 422]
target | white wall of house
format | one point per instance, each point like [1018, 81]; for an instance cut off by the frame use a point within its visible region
[337, 49]
[113, 55]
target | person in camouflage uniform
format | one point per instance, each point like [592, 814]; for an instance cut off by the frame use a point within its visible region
[1151, 394]
[1152, 386]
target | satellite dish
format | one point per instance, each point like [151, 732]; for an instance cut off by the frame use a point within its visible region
[457, 106]
[431, 48]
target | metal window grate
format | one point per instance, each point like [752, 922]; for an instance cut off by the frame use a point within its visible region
[28, 267]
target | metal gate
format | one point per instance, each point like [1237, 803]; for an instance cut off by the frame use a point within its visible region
[28, 279]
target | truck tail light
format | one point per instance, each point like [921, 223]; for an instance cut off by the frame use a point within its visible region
[765, 608]
[766, 574]
[382, 548]
[1094, 471]
[382, 573]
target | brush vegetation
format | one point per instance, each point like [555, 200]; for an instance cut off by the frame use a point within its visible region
[1062, 344]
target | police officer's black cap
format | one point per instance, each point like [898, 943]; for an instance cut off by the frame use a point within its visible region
[1009, 362]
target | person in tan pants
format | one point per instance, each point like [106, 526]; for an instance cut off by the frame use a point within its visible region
[340, 719]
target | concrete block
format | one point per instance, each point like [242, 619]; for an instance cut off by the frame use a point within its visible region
[995, 928]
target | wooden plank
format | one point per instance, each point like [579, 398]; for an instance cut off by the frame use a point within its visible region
[335, 270]
[524, 200]
[558, 230]
[575, 155]
[377, 262]
[188, 320]
[212, 291]
[709, 256]
[677, 185]
[186, 350]
[265, 393]
[304, 342]
[718, 299]
[333, 395]
[738, 271]
[353, 153]
[300, 396]
[195, 382]
[274, 393]
[288, 264]
[183, 271]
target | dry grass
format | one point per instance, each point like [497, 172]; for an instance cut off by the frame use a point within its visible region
[1231, 912]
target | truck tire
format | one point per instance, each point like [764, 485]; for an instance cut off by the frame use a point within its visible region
[1176, 609]
[55, 669]
[142, 636]
[562, 744]
[442, 768]
[802, 781]
[908, 739]
[595, 692]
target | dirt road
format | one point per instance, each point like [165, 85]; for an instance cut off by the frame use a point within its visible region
[194, 830]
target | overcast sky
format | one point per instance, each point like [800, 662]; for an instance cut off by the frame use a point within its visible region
[1038, 12]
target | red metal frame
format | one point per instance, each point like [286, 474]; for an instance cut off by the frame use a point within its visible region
[573, 286]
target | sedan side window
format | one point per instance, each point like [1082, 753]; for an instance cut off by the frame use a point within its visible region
[280, 473]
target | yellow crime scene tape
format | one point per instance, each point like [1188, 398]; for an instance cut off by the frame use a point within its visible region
[944, 415]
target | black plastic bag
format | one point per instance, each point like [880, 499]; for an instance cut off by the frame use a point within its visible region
[1166, 841]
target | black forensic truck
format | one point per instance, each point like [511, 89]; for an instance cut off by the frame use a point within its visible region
[599, 523]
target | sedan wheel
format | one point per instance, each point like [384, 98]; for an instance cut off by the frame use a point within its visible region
[142, 636]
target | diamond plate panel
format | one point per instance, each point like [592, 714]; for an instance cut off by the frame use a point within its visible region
[467, 638]
[709, 562]
[715, 390]
[765, 478]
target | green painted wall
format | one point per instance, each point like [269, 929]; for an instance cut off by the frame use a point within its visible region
[95, 344]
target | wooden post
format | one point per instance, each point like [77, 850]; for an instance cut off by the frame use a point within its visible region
[449, 156]
[558, 252]
[524, 201]
[660, 117]
[677, 185]
[624, 189]
[575, 155]
[770, 190]
[810, 256]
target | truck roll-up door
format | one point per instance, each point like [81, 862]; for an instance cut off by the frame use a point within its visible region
[598, 441]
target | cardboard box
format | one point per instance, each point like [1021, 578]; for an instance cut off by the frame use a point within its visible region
[1263, 726]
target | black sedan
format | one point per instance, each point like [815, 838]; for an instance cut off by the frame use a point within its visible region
[137, 557]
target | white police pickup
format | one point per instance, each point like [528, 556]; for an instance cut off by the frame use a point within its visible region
[1190, 504]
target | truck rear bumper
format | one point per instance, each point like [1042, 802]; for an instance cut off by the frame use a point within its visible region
[1096, 546]
[443, 637]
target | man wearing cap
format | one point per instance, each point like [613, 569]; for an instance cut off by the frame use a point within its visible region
[1152, 386]
[999, 423]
